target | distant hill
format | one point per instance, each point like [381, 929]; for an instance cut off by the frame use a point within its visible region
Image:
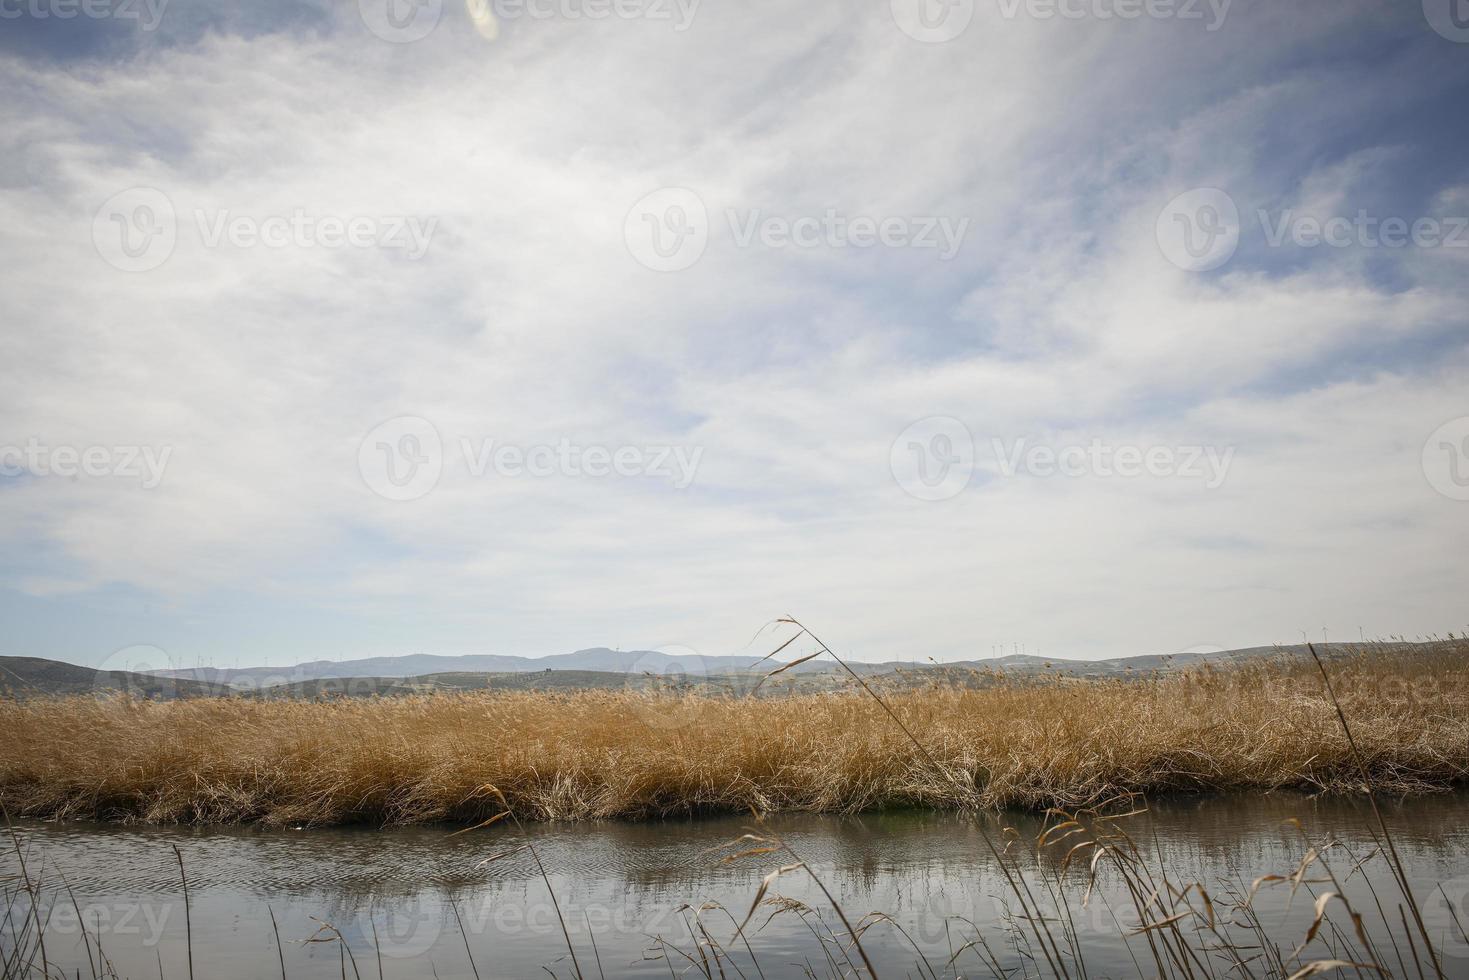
[30, 676]
[604, 660]
[539, 680]
[415, 665]
[595, 669]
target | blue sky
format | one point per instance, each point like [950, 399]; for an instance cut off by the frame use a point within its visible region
[810, 389]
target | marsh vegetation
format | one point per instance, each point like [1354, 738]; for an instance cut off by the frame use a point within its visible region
[1023, 742]
[1081, 758]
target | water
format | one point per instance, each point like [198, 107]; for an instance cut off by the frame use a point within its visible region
[623, 884]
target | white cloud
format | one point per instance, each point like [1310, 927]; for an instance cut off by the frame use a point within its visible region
[528, 321]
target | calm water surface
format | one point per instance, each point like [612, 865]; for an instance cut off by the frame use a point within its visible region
[620, 885]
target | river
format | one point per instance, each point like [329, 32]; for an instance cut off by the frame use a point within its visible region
[427, 902]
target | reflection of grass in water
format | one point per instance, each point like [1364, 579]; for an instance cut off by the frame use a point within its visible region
[1024, 742]
[1173, 929]
[1356, 921]
[1215, 928]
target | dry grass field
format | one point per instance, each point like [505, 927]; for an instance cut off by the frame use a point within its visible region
[1392, 721]
[1031, 743]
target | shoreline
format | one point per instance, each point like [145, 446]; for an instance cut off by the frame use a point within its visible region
[1342, 793]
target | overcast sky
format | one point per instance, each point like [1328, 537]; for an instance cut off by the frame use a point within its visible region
[334, 329]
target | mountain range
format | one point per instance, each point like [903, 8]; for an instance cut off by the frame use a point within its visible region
[595, 668]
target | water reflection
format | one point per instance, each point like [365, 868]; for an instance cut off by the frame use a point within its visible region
[423, 892]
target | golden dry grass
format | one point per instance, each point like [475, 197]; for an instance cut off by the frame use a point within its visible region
[599, 755]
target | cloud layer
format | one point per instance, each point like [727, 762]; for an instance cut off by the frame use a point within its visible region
[1063, 319]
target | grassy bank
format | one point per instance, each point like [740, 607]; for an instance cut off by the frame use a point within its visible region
[1031, 743]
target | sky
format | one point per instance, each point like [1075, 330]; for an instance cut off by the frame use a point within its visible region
[1090, 328]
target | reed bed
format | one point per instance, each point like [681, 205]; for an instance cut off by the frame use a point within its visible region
[994, 742]
[1261, 726]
